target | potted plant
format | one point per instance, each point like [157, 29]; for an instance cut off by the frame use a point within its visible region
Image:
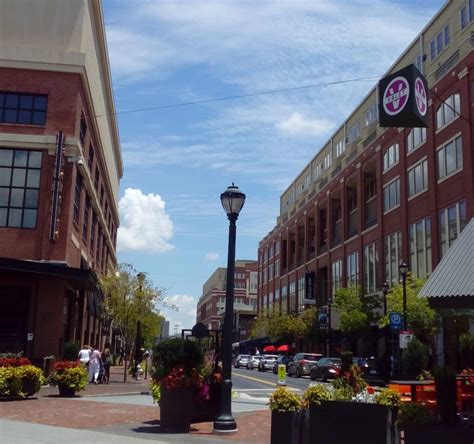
[285, 406]
[18, 378]
[177, 363]
[69, 376]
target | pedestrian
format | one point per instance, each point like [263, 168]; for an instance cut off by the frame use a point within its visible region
[107, 360]
[94, 365]
[84, 355]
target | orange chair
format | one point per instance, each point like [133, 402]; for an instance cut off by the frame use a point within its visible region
[426, 395]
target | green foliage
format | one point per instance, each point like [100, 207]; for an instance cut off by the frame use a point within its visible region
[389, 398]
[346, 361]
[155, 392]
[421, 318]
[176, 353]
[414, 358]
[317, 393]
[71, 350]
[74, 378]
[284, 400]
[349, 384]
[466, 350]
[13, 379]
[445, 382]
[357, 311]
[411, 413]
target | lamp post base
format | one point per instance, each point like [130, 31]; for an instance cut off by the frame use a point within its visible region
[225, 424]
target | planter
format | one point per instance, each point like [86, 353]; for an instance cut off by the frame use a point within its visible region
[66, 392]
[176, 408]
[286, 427]
[29, 387]
[351, 422]
[438, 434]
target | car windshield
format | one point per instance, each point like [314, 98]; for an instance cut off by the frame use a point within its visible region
[244, 356]
[312, 357]
[334, 361]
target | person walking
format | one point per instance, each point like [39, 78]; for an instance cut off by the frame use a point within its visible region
[107, 360]
[94, 365]
[84, 355]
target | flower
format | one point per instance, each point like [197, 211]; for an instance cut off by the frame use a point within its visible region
[179, 378]
[69, 373]
[14, 362]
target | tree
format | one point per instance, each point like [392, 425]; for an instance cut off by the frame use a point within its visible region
[421, 318]
[128, 299]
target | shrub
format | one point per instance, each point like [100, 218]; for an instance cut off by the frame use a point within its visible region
[155, 392]
[317, 393]
[346, 361]
[284, 400]
[411, 413]
[71, 350]
[19, 380]
[466, 350]
[414, 358]
[445, 382]
[349, 384]
[389, 398]
[69, 373]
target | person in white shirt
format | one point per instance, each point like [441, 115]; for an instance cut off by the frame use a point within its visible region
[94, 365]
[84, 354]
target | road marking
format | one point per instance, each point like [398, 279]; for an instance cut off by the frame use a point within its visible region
[273, 384]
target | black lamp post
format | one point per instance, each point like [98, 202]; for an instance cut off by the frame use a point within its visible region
[403, 268]
[385, 288]
[141, 279]
[232, 200]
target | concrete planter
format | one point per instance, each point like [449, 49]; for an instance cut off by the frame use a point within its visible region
[176, 409]
[66, 392]
[287, 427]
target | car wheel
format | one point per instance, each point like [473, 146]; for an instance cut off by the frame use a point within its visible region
[324, 376]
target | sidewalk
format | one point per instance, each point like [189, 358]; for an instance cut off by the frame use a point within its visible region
[126, 418]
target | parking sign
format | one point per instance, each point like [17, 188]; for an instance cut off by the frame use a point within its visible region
[395, 319]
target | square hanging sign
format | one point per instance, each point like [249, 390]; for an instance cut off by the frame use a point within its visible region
[403, 99]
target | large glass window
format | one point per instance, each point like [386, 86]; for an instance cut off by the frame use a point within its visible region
[418, 178]
[82, 129]
[448, 110]
[452, 220]
[391, 194]
[415, 138]
[370, 268]
[420, 248]
[336, 270]
[391, 156]
[392, 253]
[292, 296]
[284, 299]
[439, 43]
[19, 187]
[466, 13]
[371, 114]
[77, 199]
[352, 268]
[23, 108]
[301, 292]
[85, 221]
[353, 132]
[450, 158]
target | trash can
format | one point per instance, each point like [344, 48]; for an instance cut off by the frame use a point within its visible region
[48, 365]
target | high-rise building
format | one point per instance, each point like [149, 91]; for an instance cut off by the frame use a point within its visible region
[372, 196]
[60, 166]
[211, 305]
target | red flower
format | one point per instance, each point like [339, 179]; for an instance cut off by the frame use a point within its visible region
[14, 362]
[63, 365]
[178, 378]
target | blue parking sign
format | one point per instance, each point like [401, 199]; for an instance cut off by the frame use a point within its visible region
[395, 320]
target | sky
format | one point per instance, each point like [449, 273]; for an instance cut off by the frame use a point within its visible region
[179, 159]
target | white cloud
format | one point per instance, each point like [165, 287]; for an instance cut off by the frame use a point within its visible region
[185, 317]
[145, 226]
[298, 125]
[212, 256]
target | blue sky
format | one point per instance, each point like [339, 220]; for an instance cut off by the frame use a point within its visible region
[178, 160]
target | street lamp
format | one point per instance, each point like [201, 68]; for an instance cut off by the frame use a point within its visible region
[403, 268]
[232, 200]
[141, 279]
[385, 288]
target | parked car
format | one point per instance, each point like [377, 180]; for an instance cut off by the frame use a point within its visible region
[253, 362]
[267, 362]
[302, 363]
[282, 360]
[241, 361]
[326, 368]
[373, 370]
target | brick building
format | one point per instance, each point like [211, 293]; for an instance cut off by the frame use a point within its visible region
[59, 174]
[374, 196]
[211, 305]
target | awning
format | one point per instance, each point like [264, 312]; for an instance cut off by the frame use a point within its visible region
[269, 348]
[283, 348]
[78, 278]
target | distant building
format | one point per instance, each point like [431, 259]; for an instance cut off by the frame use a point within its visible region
[165, 330]
[60, 167]
[211, 305]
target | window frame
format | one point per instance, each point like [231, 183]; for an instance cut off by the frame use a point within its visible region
[453, 140]
[395, 150]
[386, 186]
[18, 108]
[424, 171]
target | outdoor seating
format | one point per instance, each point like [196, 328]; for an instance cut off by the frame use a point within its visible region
[404, 391]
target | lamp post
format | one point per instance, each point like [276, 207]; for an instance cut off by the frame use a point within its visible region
[328, 320]
[385, 288]
[232, 200]
[403, 268]
[141, 279]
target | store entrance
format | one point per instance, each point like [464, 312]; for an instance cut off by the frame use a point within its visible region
[14, 309]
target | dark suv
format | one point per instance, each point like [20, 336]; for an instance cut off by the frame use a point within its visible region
[302, 364]
[282, 360]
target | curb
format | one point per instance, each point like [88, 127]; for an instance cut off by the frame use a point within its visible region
[116, 394]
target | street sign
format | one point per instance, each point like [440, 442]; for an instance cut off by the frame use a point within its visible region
[281, 374]
[405, 337]
[395, 320]
[30, 337]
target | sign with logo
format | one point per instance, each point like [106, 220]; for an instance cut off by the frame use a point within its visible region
[395, 320]
[403, 99]
[405, 337]
[281, 374]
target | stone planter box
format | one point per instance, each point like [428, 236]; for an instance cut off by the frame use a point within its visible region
[287, 427]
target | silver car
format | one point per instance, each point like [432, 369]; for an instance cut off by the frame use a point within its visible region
[241, 361]
[253, 362]
[267, 362]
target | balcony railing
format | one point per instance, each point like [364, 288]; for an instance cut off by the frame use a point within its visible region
[337, 234]
[371, 213]
[352, 225]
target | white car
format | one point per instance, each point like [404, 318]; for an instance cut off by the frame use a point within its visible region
[241, 361]
[253, 362]
[267, 362]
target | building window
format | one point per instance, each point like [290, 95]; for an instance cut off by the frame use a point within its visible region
[466, 13]
[340, 148]
[418, 178]
[96, 179]
[270, 272]
[450, 158]
[391, 195]
[20, 172]
[420, 248]
[271, 250]
[370, 188]
[277, 247]
[370, 268]
[336, 273]
[354, 132]
[82, 129]
[452, 220]
[77, 199]
[85, 221]
[415, 138]
[391, 157]
[92, 238]
[448, 111]
[352, 268]
[392, 251]
[371, 114]
[327, 160]
[277, 267]
[317, 171]
[90, 161]
[418, 62]
[292, 296]
[284, 302]
[301, 293]
[439, 43]
[23, 108]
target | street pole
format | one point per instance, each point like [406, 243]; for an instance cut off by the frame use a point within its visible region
[403, 268]
[329, 328]
[141, 278]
